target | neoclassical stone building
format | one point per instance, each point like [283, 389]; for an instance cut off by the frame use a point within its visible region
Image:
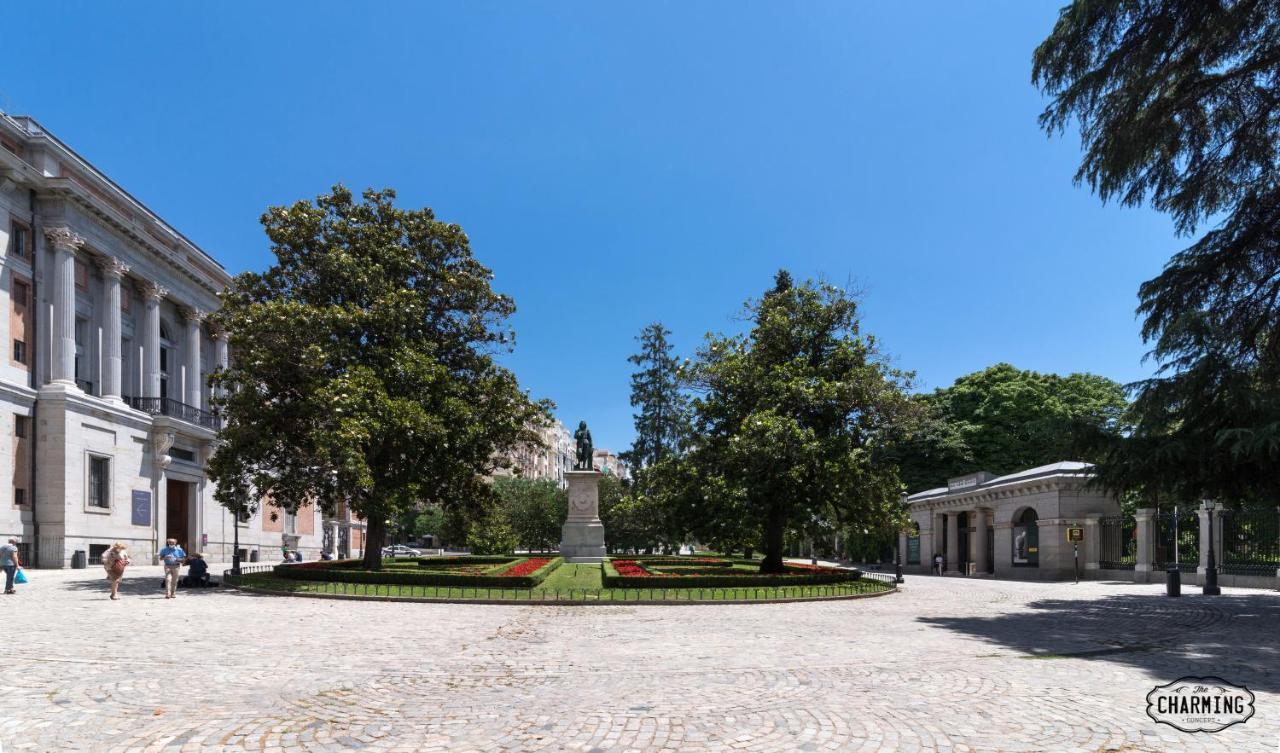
[104, 420]
[1012, 526]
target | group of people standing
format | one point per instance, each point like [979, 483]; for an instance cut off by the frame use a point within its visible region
[116, 560]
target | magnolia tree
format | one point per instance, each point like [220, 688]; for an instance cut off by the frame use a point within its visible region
[363, 368]
[788, 423]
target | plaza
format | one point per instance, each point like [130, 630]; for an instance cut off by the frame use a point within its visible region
[946, 664]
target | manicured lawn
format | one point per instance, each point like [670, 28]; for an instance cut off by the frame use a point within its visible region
[572, 576]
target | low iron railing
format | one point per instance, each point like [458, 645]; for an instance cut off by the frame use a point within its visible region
[167, 406]
[870, 583]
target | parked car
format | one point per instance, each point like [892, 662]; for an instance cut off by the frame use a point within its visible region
[400, 550]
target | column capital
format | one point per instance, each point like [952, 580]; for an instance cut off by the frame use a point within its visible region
[64, 238]
[112, 267]
[152, 291]
[218, 333]
[194, 315]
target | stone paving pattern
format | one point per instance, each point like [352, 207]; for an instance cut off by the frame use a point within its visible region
[946, 665]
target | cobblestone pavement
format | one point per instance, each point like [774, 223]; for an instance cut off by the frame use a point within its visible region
[946, 665]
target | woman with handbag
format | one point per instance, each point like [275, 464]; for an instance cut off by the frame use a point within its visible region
[114, 561]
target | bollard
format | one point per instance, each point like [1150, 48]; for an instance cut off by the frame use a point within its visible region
[1173, 582]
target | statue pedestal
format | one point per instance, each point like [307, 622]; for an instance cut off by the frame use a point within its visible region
[582, 536]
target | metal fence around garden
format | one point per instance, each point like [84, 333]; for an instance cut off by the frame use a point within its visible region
[1250, 541]
[869, 583]
[1117, 543]
[1177, 539]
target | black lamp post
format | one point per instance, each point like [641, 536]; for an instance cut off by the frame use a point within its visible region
[897, 564]
[235, 546]
[1211, 568]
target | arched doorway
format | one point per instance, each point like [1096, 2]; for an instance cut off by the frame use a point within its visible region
[1026, 539]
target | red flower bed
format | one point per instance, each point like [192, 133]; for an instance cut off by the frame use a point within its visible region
[633, 569]
[527, 567]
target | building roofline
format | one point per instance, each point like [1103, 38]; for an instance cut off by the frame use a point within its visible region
[24, 124]
[1069, 468]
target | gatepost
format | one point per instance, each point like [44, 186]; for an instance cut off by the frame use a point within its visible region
[1146, 541]
[1092, 541]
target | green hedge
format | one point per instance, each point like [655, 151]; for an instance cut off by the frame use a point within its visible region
[344, 573]
[613, 580]
[468, 559]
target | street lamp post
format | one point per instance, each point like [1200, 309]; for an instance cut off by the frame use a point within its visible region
[235, 546]
[1211, 567]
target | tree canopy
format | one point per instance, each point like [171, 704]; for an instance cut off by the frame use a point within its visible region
[1003, 419]
[363, 365]
[787, 421]
[662, 418]
[1177, 102]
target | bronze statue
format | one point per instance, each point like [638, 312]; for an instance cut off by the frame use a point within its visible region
[583, 437]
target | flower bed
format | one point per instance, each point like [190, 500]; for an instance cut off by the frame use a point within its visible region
[502, 572]
[665, 573]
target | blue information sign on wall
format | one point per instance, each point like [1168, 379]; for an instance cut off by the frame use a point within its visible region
[141, 508]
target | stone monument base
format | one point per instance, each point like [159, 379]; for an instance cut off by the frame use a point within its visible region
[582, 536]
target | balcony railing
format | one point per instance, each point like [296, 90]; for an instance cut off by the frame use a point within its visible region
[164, 406]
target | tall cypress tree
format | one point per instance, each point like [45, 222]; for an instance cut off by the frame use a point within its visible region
[662, 422]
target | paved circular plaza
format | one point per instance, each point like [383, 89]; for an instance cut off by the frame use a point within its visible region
[945, 665]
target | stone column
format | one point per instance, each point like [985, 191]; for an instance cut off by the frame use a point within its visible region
[1092, 541]
[1146, 540]
[194, 387]
[1204, 539]
[65, 244]
[113, 270]
[978, 543]
[953, 543]
[151, 294]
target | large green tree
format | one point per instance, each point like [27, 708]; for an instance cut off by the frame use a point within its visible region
[662, 417]
[1178, 105]
[534, 509]
[363, 365]
[1003, 419]
[789, 416]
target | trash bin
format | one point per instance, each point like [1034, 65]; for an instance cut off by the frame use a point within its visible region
[253, 556]
[79, 560]
[1173, 582]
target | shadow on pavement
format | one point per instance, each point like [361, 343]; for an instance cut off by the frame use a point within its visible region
[140, 585]
[1233, 637]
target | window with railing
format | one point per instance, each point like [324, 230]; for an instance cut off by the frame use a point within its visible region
[163, 406]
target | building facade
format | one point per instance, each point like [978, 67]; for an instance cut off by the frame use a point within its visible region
[1012, 526]
[548, 459]
[105, 425]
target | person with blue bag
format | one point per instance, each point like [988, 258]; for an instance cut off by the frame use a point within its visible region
[10, 562]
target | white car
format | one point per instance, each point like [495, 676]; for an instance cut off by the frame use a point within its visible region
[399, 550]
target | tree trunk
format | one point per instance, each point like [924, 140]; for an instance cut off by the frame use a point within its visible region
[375, 532]
[774, 529]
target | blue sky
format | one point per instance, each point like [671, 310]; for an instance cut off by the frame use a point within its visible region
[617, 165]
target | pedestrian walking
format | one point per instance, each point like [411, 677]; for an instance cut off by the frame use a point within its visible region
[938, 560]
[114, 561]
[172, 557]
[10, 562]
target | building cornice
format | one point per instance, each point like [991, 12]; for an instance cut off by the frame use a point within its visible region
[90, 189]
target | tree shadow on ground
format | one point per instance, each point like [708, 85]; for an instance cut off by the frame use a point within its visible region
[142, 585]
[1233, 637]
